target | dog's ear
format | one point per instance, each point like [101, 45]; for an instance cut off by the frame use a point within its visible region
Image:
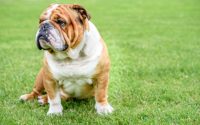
[82, 11]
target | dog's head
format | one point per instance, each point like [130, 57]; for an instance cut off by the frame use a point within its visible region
[61, 27]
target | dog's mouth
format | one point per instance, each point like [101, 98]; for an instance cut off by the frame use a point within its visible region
[42, 42]
[48, 38]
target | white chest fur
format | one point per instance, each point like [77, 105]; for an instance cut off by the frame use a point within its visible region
[72, 69]
[74, 73]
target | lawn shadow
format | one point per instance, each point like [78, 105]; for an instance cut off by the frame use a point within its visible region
[75, 103]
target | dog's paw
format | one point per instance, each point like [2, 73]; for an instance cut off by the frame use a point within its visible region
[24, 97]
[27, 97]
[55, 109]
[103, 109]
[42, 100]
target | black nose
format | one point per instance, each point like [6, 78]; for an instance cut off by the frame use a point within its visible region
[44, 31]
[45, 26]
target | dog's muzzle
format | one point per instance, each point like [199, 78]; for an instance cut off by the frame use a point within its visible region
[43, 34]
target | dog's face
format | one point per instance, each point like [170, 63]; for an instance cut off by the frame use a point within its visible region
[61, 27]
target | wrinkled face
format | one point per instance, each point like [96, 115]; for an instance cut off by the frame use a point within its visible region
[61, 27]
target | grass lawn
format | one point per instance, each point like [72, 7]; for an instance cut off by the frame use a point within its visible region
[154, 47]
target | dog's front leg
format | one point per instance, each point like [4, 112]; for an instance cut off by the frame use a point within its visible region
[102, 106]
[54, 99]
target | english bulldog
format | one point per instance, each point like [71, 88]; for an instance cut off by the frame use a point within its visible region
[76, 61]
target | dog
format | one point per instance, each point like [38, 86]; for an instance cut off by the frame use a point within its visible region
[76, 62]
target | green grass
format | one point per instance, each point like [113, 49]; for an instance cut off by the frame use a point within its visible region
[154, 47]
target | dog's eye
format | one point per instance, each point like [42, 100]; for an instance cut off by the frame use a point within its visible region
[61, 23]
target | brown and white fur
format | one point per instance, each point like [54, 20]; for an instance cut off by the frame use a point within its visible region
[76, 62]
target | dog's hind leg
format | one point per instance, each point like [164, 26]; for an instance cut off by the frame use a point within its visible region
[37, 89]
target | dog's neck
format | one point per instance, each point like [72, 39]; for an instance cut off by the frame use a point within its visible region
[89, 46]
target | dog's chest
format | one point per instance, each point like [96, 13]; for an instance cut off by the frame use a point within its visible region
[73, 76]
[75, 70]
